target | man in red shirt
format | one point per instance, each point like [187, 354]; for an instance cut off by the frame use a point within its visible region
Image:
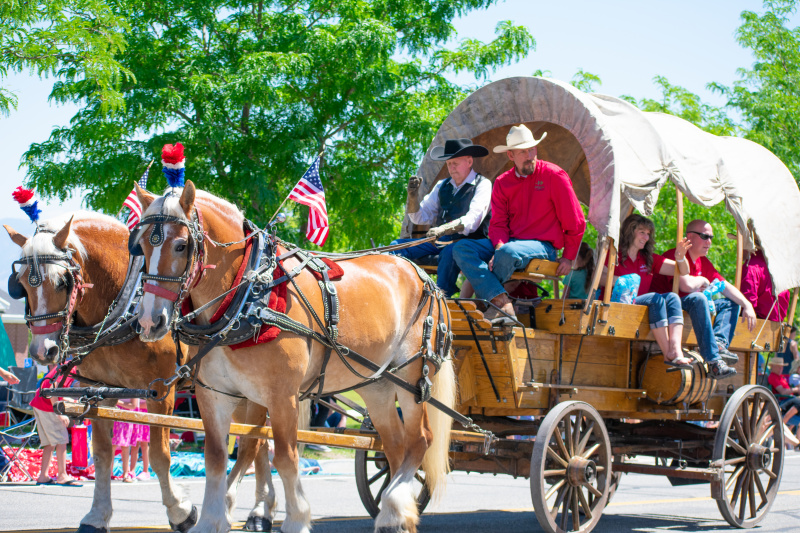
[712, 340]
[783, 391]
[757, 288]
[534, 213]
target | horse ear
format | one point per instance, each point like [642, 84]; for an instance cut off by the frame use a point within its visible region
[145, 198]
[60, 240]
[18, 239]
[187, 198]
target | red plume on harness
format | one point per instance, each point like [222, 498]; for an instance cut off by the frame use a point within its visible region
[174, 161]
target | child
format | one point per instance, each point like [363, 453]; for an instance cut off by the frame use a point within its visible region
[141, 440]
[581, 277]
[124, 438]
[53, 433]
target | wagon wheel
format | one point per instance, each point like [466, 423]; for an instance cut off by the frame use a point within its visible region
[749, 448]
[373, 476]
[616, 477]
[570, 468]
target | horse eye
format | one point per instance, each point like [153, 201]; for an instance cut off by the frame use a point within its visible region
[180, 247]
[61, 285]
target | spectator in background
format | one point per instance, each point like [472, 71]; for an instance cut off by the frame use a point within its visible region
[124, 438]
[757, 288]
[581, 277]
[53, 433]
[141, 441]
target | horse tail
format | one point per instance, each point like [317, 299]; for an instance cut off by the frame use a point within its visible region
[436, 462]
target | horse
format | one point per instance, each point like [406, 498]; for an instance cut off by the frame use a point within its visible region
[380, 298]
[85, 249]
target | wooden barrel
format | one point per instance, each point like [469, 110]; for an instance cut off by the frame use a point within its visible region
[702, 385]
[662, 387]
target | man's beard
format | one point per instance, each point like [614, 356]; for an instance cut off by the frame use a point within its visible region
[528, 167]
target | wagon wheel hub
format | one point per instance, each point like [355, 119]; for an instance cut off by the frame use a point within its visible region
[581, 471]
[758, 457]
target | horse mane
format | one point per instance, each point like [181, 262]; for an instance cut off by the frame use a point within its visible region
[42, 243]
[170, 205]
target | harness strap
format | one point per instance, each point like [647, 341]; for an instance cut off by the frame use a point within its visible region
[44, 330]
[163, 292]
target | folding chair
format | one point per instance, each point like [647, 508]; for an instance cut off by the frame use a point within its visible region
[19, 402]
[22, 424]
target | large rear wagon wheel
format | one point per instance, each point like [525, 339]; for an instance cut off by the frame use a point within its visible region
[373, 476]
[749, 448]
[571, 469]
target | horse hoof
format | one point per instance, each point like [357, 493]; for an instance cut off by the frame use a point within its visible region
[258, 523]
[86, 528]
[187, 524]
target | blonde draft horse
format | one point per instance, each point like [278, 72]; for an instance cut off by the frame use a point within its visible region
[379, 296]
[99, 245]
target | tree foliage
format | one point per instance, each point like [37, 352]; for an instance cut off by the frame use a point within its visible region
[73, 40]
[767, 95]
[254, 90]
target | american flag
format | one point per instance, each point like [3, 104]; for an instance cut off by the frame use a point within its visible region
[132, 202]
[309, 191]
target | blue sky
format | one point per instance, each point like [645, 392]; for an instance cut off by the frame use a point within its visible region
[626, 43]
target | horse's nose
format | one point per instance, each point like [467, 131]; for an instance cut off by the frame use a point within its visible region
[160, 322]
[52, 353]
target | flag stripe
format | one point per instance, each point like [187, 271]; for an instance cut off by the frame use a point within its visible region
[309, 191]
[132, 202]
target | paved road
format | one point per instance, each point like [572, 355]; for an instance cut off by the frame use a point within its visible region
[475, 503]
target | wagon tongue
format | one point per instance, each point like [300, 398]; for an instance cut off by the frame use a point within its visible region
[98, 393]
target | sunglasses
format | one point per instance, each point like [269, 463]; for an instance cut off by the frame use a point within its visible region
[704, 236]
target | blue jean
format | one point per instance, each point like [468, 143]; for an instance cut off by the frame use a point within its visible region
[663, 309]
[707, 335]
[446, 271]
[472, 257]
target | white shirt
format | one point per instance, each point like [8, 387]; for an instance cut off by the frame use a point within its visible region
[478, 207]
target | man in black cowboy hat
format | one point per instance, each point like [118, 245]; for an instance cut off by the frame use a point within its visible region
[456, 208]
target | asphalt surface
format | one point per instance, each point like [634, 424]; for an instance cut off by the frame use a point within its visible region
[474, 502]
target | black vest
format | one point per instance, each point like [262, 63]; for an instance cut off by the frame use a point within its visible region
[455, 205]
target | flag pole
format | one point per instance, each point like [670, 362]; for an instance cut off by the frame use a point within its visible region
[290, 192]
[148, 168]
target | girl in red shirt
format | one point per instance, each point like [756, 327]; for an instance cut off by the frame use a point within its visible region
[636, 256]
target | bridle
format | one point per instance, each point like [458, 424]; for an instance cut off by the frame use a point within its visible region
[75, 285]
[194, 265]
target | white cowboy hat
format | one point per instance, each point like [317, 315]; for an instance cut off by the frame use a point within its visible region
[519, 138]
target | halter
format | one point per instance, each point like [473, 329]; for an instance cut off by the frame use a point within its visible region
[77, 289]
[194, 265]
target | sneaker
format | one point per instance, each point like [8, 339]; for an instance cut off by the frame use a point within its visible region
[144, 476]
[719, 370]
[129, 478]
[318, 447]
[727, 356]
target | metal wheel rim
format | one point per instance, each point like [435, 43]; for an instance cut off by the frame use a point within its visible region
[573, 432]
[750, 428]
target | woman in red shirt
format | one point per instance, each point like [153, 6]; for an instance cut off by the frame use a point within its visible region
[636, 256]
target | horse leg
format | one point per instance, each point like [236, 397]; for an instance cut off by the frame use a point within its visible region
[181, 514]
[283, 415]
[399, 508]
[98, 517]
[380, 401]
[216, 410]
[260, 518]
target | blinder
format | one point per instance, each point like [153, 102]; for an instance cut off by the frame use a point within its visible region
[134, 246]
[15, 288]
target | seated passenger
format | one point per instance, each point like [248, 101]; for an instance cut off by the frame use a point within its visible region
[636, 245]
[713, 341]
[534, 213]
[457, 208]
[757, 288]
[580, 279]
[786, 395]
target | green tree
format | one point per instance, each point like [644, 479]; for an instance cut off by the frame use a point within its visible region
[767, 95]
[254, 90]
[72, 40]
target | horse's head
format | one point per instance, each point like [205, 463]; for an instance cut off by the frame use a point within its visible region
[168, 238]
[48, 276]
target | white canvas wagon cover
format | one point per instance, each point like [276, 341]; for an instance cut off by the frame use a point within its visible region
[617, 155]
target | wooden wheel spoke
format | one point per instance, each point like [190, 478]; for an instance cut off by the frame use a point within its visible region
[592, 489]
[743, 494]
[576, 517]
[382, 472]
[591, 451]
[568, 435]
[555, 457]
[565, 507]
[770, 473]
[576, 432]
[768, 432]
[751, 495]
[761, 491]
[587, 510]
[745, 421]
[553, 490]
[737, 424]
[735, 461]
[585, 440]
[735, 445]
[738, 488]
[559, 472]
[755, 415]
[380, 491]
[600, 469]
[734, 477]
[761, 417]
